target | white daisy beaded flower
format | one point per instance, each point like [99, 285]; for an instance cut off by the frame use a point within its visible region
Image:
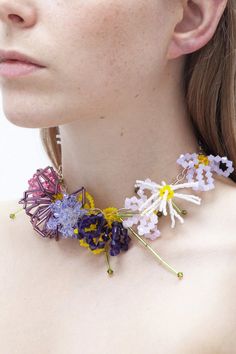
[201, 168]
[162, 196]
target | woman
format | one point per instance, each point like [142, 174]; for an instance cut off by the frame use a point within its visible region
[130, 86]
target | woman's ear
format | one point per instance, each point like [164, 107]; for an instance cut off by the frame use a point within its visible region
[197, 27]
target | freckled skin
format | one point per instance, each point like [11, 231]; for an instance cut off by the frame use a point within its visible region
[98, 54]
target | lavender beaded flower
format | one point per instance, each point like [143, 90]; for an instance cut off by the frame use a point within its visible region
[201, 168]
[66, 213]
[146, 223]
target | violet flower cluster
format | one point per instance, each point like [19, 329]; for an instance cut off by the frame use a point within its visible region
[95, 232]
[73, 221]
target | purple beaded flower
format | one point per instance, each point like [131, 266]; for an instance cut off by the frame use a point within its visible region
[94, 233]
[65, 215]
[120, 239]
[202, 167]
[43, 187]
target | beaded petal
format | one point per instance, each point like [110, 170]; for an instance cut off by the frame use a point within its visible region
[201, 167]
[146, 223]
[65, 215]
[162, 196]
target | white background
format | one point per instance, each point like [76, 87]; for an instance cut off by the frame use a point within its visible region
[21, 153]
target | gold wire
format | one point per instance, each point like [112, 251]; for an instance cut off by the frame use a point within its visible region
[177, 208]
[13, 215]
[179, 274]
[180, 177]
[109, 270]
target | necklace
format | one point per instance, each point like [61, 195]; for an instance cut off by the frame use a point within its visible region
[54, 213]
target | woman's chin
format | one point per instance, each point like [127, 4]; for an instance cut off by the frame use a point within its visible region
[27, 120]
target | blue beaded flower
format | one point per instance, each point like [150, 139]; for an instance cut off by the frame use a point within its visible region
[66, 213]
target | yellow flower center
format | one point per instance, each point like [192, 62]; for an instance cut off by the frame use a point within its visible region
[58, 196]
[202, 159]
[83, 243]
[89, 200]
[168, 188]
[110, 215]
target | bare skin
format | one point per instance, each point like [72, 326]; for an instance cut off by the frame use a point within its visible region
[119, 104]
[55, 295]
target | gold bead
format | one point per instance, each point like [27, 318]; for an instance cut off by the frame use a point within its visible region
[12, 216]
[136, 189]
[180, 275]
[184, 212]
[110, 271]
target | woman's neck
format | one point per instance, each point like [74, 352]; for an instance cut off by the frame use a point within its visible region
[106, 154]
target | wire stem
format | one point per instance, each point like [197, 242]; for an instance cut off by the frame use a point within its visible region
[179, 274]
[13, 215]
[109, 270]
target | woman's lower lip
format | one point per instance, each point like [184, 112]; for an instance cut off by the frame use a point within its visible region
[17, 68]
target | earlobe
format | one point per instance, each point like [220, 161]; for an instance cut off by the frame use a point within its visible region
[197, 27]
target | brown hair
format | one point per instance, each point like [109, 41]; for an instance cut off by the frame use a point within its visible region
[209, 90]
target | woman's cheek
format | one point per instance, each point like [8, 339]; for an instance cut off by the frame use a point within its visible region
[98, 43]
[104, 26]
[112, 44]
[121, 29]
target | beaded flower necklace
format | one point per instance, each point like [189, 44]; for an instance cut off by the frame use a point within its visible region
[54, 213]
